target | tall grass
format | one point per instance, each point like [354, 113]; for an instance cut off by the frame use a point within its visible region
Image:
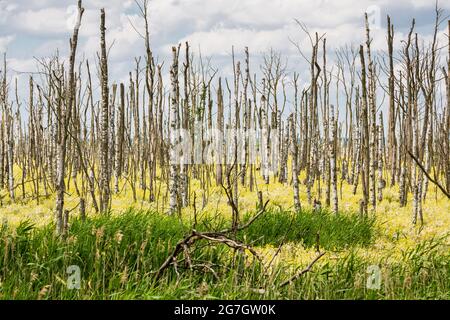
[335, 231]
[118, 255]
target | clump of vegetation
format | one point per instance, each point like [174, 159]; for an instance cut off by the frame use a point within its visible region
[118, 257]
[307, 227]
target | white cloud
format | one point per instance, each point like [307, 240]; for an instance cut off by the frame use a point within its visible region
[219, 41]
[214, 26]
[21, 65]
[5, 10]
[44, 21]
[5, 41]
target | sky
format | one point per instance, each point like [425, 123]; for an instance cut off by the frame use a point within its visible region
[31, 29]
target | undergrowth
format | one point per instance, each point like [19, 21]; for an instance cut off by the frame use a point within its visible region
[118, 257]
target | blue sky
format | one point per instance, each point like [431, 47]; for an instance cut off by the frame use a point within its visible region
[32, 29]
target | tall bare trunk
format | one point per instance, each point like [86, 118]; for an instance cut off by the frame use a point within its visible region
[104, 123]
[63, 118]
[174, 161]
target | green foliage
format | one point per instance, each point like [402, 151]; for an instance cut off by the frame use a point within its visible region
[335, 231]
[118, 257]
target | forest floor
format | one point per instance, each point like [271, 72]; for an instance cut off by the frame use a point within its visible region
[118, 254]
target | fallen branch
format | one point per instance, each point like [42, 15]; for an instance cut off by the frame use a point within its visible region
[221, 237]
[307, 269]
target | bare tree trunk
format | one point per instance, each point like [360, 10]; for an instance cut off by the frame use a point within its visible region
[365, 134]
[10, 143]
[265, 135]
[236, 128]
[104, 123]
[294, 155]
[392, 141]
[3, 123]
[184, 176]
[63, 124]
[220, 147]
[173, 182]
[245, 118]
[333, 162]
[372, 121]
[358, 144]
[119, 139]
[112, 133]
[447, 117]
[381, 181]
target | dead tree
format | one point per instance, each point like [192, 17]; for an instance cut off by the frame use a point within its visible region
[446, 115]
[120, 136]
[333, 161]
[221, 146]
[104, 123]
[380, 153]
[392, 141]
[174, 134]
[365, 134]
[372, 119]
[63, 118]
[294, 156]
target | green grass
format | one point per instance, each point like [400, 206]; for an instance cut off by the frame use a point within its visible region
[119, 254]
[335, 231]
